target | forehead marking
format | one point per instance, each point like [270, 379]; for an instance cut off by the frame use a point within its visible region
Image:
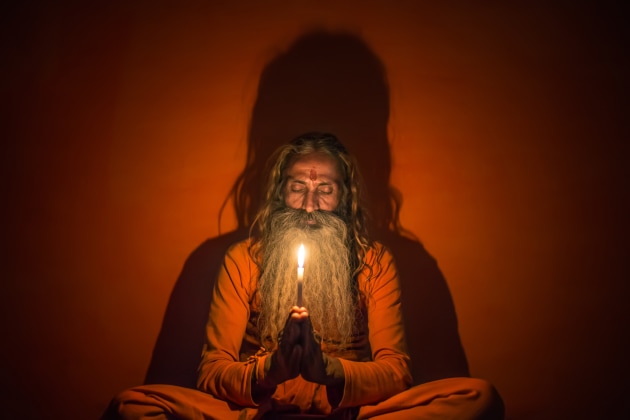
[313, 175]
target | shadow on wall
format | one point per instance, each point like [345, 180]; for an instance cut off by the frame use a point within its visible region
[328, 82]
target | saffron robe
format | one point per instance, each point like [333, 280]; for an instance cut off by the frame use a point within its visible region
[375, 363]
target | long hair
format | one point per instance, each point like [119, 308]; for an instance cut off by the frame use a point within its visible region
[351, 209]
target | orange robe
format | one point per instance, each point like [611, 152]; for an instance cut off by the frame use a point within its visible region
[375, 364]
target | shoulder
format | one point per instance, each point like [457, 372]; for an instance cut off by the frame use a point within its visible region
[239, 267]
[239, 254]
[379, 276]
[379, 265]
[239, 248]
[378, 256]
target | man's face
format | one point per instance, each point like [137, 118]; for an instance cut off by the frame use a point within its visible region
[313, 183]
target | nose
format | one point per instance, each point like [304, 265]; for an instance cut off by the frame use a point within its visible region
[311, 202]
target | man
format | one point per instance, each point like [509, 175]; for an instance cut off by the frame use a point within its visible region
[342, 354]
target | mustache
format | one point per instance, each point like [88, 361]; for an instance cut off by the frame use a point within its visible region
[301, 219]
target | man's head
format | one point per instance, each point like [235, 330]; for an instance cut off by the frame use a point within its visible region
[316, 172]
[312, 197]
[318, 151]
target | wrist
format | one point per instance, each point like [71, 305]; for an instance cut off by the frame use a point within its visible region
[266, 377]
[335, 381]
[262, 385]
[262, 381]
[334, 371]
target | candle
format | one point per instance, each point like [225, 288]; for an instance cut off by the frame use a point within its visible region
[300, 274]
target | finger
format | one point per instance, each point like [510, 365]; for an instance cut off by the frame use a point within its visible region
[306, 327]
[311, 344]
[298, 314]
[291, 333]
[291, 330]
[296, 359]
[299, 317]
[298, 309]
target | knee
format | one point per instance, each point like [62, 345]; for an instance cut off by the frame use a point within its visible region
[126, 406]
[112, 412]
[490, 405]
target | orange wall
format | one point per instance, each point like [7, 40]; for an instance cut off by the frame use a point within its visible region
[126, 125]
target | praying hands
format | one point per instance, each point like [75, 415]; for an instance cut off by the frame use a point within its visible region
[299, 352]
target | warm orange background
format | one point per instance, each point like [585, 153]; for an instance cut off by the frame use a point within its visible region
[125, 126]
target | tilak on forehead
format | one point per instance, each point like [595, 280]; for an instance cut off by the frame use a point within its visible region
[313, 175]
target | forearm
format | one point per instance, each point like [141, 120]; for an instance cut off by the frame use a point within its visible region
[227, 380]
[371, 382]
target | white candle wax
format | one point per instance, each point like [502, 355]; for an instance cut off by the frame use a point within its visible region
[300, 274]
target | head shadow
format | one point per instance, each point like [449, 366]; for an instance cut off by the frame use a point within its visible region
[327, 82]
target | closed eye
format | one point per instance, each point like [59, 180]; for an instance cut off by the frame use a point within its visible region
[325, 189]
[297, 188]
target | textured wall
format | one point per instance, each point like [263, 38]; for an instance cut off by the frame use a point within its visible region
[125, 126]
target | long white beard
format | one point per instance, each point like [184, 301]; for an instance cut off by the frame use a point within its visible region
[329, 294]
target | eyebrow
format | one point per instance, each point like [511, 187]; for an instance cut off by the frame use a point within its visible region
[299, 181]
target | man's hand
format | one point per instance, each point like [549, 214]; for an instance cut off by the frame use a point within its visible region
[300, 352]
[285, 362]
[316, 366]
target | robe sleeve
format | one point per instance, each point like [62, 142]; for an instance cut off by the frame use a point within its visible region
[388, 373]
[220, 371]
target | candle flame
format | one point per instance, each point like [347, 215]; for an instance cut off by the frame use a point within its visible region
[301, 256]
